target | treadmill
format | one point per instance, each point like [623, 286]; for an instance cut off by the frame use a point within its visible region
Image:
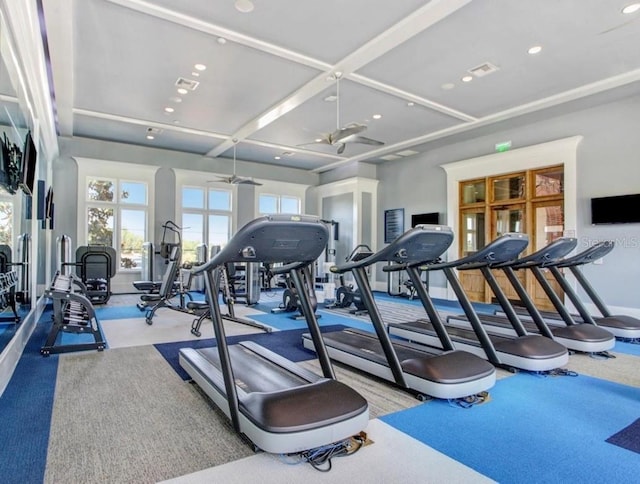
[440, 372]
[525, 351]
[578, 337]
[277, 404]
[622, 326]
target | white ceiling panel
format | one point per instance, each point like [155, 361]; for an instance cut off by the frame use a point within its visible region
[111, 130]
[129, 64]
[577, 50]
[267, 156]
[266, 71]
[327, 30]
[357, 104]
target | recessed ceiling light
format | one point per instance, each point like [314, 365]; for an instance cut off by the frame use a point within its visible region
[175, 99]
[467, 79]
[221, 40]
[411, 104]
[168, 109]
[633, 8]
[318, 140]
[244, 6]
[195, 74]
[200, 67]
[377, 116]
[150, 136]
[447, 86]
[276, 157]
[331, 98]
[536, 49]
[182, 90]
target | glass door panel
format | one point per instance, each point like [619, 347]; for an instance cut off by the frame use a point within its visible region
[508, 188]
[509, 219]
[472, 232]
[472, 238]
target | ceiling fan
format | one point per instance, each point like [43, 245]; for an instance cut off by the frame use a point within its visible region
[235, 179]
[344, 134]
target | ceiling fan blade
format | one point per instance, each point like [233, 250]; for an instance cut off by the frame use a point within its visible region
[366, 141]
[248, 181]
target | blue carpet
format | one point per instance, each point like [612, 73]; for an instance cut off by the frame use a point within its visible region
[24, 432]
[284, 343]
[628, 438]
[284, 321]
[105, 313]
[627, 348]
[561, 422]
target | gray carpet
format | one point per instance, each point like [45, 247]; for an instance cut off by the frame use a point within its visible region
[155, 428]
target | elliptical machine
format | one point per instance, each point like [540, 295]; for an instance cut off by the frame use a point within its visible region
[346, 294]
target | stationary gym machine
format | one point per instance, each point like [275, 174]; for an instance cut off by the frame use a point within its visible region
[347, 294]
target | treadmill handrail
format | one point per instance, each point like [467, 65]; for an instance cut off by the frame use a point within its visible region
[549, 254]
[418, 245]
[270, 239]
[593, 253]
[505, 248]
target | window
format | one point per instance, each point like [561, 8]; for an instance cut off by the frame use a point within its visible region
[206, 219]
[116, 216]
[6, 221]
[269, 204]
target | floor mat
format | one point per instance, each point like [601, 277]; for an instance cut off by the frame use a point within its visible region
[561, 421]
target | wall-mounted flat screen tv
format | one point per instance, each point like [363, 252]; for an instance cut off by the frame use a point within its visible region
[622, 209]
[29, 160]
[425, 219]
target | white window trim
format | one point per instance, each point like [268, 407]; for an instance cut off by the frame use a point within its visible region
[198, 179]
[560, 152]
[112, 170]
[279, 189]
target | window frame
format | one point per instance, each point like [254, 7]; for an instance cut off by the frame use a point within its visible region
[194, 180]
[93, 169]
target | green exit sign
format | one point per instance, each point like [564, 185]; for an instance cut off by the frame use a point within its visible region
[504, 146]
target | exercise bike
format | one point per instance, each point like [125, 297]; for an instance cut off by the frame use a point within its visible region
[346, 294]
[291, 300]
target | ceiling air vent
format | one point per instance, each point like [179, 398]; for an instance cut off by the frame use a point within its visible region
[483, 69]
[189, 84]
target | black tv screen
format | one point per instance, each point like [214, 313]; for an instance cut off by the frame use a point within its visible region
[29, 158]
[425, 219]
[622, 209]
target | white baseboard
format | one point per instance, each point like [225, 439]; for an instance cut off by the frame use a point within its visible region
[11, 354]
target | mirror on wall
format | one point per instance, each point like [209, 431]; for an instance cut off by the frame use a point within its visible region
[15, 229]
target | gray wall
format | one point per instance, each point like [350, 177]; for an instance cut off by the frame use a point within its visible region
[608, 164]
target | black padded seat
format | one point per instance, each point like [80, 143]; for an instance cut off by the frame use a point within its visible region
[196, 305]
